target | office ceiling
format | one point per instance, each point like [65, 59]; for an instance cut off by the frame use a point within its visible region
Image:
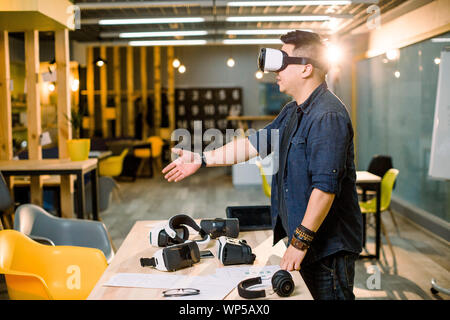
[335, 19]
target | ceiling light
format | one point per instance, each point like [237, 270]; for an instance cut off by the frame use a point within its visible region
[176, 63]
[437, 60]
[230, 62]
[287, 3]
[397, 74]
[167, 43]
[440, 40]
[149, 21]
[393, 54]
[99, 62]
[162, 34]
[278, 18]
[259, 74]
[75, 85]
[262, 31]
[334, 53]
[182, 69]
[51, 86]
[252, 41]
[333, 24]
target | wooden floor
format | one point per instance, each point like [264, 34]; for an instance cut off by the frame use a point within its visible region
[405, 273]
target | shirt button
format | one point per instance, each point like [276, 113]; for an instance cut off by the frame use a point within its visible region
[286, 190]
[334, 171]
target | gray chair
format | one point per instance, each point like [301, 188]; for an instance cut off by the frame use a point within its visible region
[106, 185]
[46, 228]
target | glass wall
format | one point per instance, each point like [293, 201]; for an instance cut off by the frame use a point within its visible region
[396, 104]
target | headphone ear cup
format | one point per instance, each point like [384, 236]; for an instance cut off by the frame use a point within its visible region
[282, 283]
[185, 232]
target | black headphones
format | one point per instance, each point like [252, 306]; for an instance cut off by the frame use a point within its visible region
[282, 284]
[181, 221]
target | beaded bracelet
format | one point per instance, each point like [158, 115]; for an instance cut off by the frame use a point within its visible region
[306, 230]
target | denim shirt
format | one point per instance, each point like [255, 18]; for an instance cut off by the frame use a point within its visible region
[320, 155]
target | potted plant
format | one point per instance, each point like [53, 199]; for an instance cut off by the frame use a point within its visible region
[78, 148]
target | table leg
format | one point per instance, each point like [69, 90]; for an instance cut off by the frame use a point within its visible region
[378, 222]
[81, 199]
[364, 216]
[95, 195]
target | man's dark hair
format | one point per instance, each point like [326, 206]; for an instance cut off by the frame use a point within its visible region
[307, 44]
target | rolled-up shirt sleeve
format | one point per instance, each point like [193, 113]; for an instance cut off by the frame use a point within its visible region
[328, 142]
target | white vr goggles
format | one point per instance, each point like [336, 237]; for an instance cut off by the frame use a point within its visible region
[176, 232]
[277, 60]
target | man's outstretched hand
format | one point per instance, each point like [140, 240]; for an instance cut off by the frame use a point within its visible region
[184, 166]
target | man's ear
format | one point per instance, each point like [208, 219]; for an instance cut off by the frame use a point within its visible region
[307, 71]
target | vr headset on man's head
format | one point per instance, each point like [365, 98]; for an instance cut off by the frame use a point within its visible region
[275, 60]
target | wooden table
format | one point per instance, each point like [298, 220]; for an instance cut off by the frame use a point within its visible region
[100, 155]
[369, 178]
[59, 167]
[137, 245]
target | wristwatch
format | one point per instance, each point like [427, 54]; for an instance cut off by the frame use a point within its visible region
[203, 160]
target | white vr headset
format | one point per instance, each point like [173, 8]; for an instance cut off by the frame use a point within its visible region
[176, 232]
[277, 60]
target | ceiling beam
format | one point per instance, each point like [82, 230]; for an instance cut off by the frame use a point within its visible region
[154, 4]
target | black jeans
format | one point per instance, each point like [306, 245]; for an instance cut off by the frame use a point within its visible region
[331, 278]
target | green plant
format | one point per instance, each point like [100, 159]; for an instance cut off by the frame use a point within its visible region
[76, 120]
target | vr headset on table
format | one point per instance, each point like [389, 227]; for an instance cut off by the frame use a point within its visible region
[176, 232]
[174, 257]
[180, 252]
[274, 60]
[221, 227]
[234, 251]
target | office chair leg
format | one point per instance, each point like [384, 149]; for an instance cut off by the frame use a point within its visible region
[387, 237]
[393, 220]
[139, 170]
[116, 192]
[364, 229]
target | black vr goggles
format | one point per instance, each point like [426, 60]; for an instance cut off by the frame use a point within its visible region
[176, 232]
[277, 60]
[221, 227]
[234, 251]
[174, 257]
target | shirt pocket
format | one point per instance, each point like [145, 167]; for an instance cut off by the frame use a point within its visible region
[298, 150]
[296, 162]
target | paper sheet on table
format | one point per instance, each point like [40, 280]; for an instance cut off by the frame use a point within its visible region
[243, 272]
[212, 287]
[140, 280]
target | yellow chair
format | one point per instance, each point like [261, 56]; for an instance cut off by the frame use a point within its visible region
[34, 271]
[370, 206]
[112, 166]
[265, 185]
[156, 151]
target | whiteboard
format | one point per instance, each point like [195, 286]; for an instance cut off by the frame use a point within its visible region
[440, 143]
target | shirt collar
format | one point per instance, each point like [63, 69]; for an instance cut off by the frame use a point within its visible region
[311, 99]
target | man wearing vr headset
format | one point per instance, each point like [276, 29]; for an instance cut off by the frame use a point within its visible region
[314, 201]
